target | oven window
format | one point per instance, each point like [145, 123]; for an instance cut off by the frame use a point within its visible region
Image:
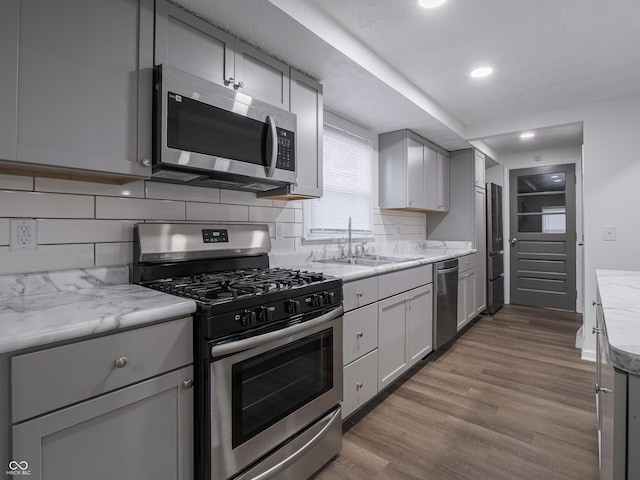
[268, 387]
[197, 127]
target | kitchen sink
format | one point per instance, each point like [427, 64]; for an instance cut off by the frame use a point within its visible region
[367, 260]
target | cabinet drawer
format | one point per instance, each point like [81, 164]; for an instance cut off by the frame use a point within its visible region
[470, 261]
[50, 379]
[360, 293]
[360, 383]
[360, 332]
[393, 283]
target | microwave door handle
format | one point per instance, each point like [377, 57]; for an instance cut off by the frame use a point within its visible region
[271, 168]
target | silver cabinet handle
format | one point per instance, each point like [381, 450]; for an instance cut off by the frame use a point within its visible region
[359, 294]
[187, 384]
[602, 389]
[238, 85]
[146, 162]
[121, 362]
[595, 330]
[513, 241]
[359, 335]
[229, 81]
[358, 385]
[594, 303]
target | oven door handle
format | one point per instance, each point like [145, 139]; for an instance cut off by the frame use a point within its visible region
[252, 342]
[279, 467]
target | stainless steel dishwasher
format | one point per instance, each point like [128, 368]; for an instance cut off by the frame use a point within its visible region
[445, 306]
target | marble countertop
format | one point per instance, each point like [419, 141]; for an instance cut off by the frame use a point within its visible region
[43, 308]
[349, 273]
[620, 297]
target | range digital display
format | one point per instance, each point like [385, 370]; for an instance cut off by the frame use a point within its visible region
[210, 235]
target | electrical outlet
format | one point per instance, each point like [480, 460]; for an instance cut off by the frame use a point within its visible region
[24, 235]
[609, 233]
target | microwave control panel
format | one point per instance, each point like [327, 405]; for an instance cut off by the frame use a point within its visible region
[286, 150]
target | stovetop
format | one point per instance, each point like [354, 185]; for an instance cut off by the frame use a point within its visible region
[218, 287]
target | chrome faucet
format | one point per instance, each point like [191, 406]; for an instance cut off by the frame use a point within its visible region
[349, 252]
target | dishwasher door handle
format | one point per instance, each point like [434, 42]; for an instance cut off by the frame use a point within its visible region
[446, 270]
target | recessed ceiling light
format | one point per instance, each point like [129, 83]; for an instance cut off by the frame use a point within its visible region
[527, 135]
[481, 72]
[430, 3]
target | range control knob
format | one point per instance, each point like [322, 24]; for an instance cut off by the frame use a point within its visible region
[329, 298]
[293, 306]
[247, 318]
[317, 300]
[264, 314]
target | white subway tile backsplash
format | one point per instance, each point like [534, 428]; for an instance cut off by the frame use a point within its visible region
[298, 215]
[139, 209]
[171, 191]
[133, 189]
[47, 257]
[15, 182]
[217, 213]
[119, 253]
[291, 230]
[236, 197]
[283, 244]
[267, 214]
[45, 205]
[52, 231]
[4, 231]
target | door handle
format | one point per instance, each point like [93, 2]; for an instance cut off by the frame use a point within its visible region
[513, 241]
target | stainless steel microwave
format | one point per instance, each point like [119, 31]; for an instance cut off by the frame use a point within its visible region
[209, 135]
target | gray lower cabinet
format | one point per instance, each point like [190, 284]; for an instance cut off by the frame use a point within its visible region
[117, 406]
[82, 101]
[618, 411]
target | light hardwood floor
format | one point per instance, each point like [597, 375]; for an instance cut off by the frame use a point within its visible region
[509, 400]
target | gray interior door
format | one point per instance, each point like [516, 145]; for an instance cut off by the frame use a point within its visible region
[542, 203]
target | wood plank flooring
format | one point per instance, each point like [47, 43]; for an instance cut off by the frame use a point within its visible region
[509, 400]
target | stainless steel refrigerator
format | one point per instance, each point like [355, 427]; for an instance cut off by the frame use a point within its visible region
[495, 252]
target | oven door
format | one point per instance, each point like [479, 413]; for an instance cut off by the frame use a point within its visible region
[266, 389]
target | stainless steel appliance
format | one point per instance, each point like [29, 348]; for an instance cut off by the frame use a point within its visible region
[268, 342]
[495, 252]
[208, 135]
[445, 307]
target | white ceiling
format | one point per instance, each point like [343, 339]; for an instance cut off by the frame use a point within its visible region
[389, 64]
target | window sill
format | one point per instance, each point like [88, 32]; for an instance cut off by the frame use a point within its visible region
[335, 240]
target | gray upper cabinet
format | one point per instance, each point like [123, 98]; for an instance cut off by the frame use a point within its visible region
[8, 79]
[84, 85]
[413, 174]
[479, 166]
[191, 44]
[307, 104]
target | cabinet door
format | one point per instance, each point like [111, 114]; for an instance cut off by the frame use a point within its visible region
[479, 169]
[140, 432]
[462, 300]
[392, 344]
[480, 242]
[442, 184]
[84, 84]
[419, 323]
[415, 173]
[8, 78]
[306, 103]
[191, 44]
[263, 77]
[430, 179]
[471, 288]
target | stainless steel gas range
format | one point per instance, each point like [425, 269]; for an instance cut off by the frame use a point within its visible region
[268, 346]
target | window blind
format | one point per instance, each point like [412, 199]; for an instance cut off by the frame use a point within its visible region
[347, 184]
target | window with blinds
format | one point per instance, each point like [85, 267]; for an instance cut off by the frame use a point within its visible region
[347, 178]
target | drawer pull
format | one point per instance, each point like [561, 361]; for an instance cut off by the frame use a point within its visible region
[595, 304]
[121, 362]
[358, 385]
[595, 330]
[187, 384]
[359, 294]
[359, 335]
[600, 389]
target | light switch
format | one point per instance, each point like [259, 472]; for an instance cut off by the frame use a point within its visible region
[609, 233]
